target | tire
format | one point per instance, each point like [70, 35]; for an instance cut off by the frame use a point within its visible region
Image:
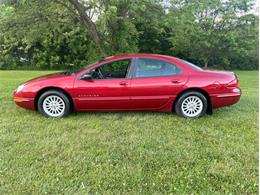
[191, 104]
[54, 104]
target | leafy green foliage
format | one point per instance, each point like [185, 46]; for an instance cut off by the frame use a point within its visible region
[50, 44]
[51, 35]
[215, 33]
[129, 153]
[117, 28]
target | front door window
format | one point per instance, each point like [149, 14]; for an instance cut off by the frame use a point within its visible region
[113, 70]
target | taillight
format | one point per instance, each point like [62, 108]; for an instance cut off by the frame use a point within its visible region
[233, 83]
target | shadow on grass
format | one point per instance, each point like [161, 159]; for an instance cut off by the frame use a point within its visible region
[122, 114]
[133, 114]
[217, 114]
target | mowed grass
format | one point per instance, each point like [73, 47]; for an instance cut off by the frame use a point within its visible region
[128, 153]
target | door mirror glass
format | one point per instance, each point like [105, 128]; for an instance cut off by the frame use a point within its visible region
[86, 77]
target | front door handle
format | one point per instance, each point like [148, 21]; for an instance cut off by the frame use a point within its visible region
[123, 83]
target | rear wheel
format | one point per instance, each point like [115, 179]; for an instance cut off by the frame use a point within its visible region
[54, 104]
[191, 105]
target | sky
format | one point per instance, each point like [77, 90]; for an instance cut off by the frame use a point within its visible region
[256, 8]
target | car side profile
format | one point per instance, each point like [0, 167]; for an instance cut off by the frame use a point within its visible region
[133, 82]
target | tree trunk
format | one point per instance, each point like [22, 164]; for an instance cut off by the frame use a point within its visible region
[206, 61]
[89, 25]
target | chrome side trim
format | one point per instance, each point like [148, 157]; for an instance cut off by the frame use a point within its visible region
[228, 95]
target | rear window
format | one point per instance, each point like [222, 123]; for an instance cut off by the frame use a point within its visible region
[193, 65]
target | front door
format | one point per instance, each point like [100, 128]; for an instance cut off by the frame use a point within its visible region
[108, 89]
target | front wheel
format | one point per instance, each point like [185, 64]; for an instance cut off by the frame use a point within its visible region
[54, 104]
[191, 105]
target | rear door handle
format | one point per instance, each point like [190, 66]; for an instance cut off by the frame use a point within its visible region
[123, 83]
[175, 81]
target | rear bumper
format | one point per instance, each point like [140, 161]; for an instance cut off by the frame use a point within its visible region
[27, 103]
[226, 99]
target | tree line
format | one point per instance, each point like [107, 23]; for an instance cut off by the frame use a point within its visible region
[44, 34]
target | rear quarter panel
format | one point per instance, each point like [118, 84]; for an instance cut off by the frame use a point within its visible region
[215, 85]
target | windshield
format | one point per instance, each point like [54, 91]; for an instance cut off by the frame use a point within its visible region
[76, 69]
[193, 65]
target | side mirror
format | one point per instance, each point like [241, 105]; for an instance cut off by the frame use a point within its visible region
[86, 77]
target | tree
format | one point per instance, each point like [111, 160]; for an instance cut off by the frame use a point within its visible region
[51, 34]
[44, 36]
[150, 21]
[85, 11]
[202, 31]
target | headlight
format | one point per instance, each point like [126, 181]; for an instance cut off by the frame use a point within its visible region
[20, 88]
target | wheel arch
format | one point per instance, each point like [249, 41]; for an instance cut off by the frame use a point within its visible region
[43, 90]
[205, 93]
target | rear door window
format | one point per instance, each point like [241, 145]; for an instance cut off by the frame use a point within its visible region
[147, 67]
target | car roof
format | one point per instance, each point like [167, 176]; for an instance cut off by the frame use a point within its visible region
[143, 55]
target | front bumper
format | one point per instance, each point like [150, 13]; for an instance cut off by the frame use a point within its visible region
[23, 102]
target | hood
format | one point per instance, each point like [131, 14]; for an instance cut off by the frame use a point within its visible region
[58, 79]
[48, 76]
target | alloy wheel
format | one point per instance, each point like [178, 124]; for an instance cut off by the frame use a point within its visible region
[54, 106]
[192, 106]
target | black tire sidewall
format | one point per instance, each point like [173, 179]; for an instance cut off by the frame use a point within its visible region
[57, 93]
[178, 104]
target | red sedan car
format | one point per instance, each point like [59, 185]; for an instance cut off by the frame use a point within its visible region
[134, 82]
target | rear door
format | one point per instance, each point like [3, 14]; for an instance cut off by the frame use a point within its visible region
[155, 83]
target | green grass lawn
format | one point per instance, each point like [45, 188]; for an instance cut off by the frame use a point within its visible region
[128, 153]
